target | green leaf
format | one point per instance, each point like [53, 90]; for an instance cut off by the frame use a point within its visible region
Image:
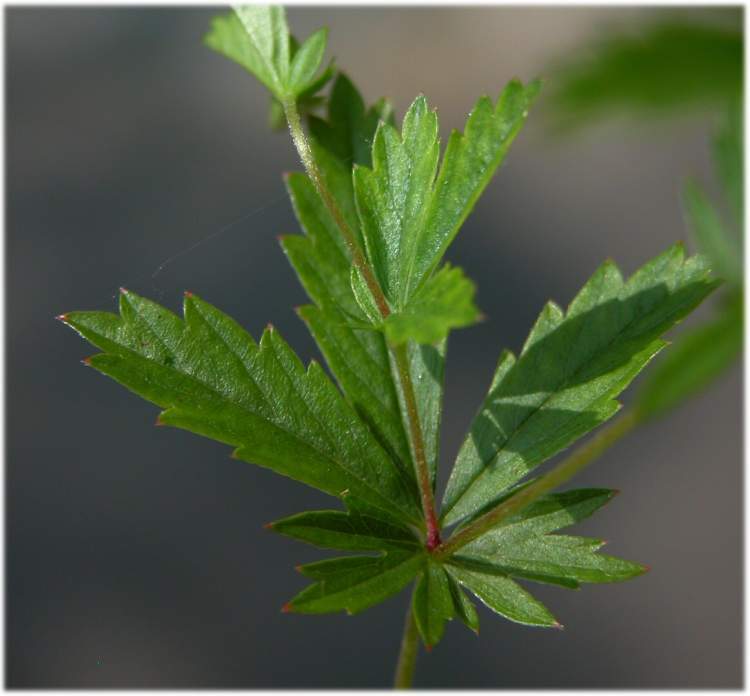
[358, 359]
[711, 235]
[432, 603]
[667, 67]
[444, 302]
[408, 216]
[355, 584]
[257, 37]
[307, 60]
[504, 596]
[214, 380]
[570, 370]
[331, 529]
[696, 359]
[463, 607]
[523, 547]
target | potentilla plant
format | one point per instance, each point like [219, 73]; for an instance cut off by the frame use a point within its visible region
[379, 207]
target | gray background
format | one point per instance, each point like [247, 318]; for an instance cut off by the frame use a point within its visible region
[136, 555]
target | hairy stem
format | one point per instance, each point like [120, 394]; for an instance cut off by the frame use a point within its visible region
[407, 656]
[399, 354]
[569, 467]
[305, 153]
[417, 441]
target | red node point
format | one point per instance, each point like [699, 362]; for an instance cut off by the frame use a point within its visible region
[187, 294]
[159, 421]
[298, 568]
[558, 626]
[286, 609]
[87, 361]
[428, 648]
[646, 568]
[268, 525]
[62, 317]
[123, 291]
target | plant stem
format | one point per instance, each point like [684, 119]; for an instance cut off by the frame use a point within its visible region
[305, 153]
[564, 471]
[407, 657]
[417, 440]
[399, 353]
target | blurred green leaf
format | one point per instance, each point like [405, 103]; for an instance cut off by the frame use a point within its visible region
[712, 237]
[697, 358]
[668, 67]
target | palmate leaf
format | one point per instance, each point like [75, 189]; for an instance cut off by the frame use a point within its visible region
[410, 212]
[257, 37]
[214, 380]
[570, 370]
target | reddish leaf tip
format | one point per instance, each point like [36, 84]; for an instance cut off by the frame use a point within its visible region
[86, 361]
[123, 291]
[62, 317]
[287, 608]
[159, 421]
[557, 625]
[298, 568]
[428, 648]
[268, 525]
[187, 294]
[615, 492]
[646, 568]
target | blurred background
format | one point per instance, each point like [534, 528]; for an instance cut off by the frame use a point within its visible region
[136, 555]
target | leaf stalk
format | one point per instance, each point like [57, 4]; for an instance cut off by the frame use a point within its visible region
[407, 656]
[308, 160]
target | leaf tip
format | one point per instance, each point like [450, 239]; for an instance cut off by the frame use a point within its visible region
[86, 361]
[62, 317]
[287, 608]
[268, 526]
[159, 421]
[123, 291]
[558, 626]
[428, 648]
[187, 294]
